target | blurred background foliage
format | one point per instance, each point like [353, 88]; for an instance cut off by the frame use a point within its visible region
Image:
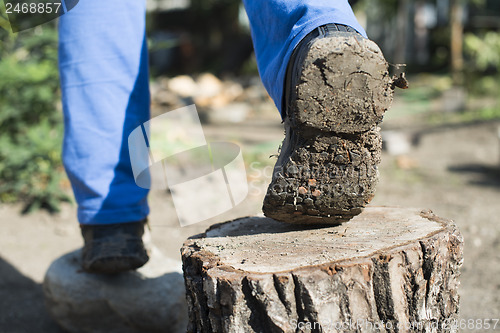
[30, 122]
[451, 49]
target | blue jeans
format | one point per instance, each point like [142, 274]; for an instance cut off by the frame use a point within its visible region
[103, 66]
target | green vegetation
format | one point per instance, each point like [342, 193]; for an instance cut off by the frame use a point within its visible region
[30, 124]
[467, 116]
[481, 84]
[484, 50]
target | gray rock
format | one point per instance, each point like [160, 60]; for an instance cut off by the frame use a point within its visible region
[183, 85]
[231, 113]
[396, 142]
[151, 299]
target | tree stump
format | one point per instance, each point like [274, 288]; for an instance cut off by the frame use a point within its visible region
[386, 270]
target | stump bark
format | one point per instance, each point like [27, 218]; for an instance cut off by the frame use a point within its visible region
[386, 270]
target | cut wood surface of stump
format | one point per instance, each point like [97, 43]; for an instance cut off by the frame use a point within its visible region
[386, 270]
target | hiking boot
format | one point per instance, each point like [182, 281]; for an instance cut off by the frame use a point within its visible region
[113, 248]
[337, 90]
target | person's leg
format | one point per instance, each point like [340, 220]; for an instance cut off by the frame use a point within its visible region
[104, 81]
[278, 26]
[332, 87]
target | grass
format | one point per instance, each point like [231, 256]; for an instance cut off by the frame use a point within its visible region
[422, 102]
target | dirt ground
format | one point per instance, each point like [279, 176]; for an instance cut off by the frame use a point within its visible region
[455, 171]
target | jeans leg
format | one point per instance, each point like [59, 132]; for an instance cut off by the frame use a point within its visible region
[277, 26]
[105, 95]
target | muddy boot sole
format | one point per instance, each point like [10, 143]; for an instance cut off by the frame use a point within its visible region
[327, 169]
